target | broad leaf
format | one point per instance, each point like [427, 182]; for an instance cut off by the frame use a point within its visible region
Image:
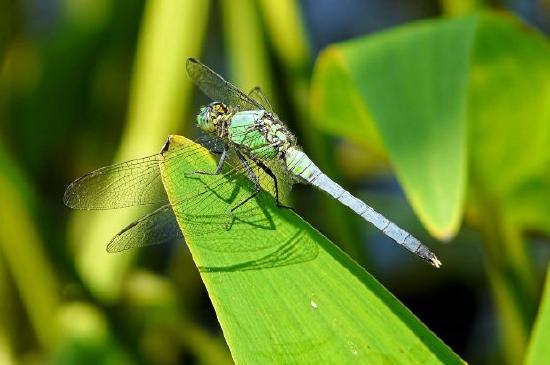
[283, 293]
[408, 84]
[539, 352]
[508, 106]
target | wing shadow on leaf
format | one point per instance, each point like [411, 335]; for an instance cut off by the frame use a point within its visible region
[261, 235]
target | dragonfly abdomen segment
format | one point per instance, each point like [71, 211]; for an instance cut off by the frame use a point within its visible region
[299, 164]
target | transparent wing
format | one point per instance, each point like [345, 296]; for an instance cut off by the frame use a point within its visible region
[139, 182]
[160, 226]
[218, 89]
[258, 95]
[157, 227]
[130, 183]
[207, 212]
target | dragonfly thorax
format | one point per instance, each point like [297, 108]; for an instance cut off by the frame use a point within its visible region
[214, 117]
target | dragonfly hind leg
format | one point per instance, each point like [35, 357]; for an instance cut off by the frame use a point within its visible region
[268, 171]
[257, 187]
[252, 176]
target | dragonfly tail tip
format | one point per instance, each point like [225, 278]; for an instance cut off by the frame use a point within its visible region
[425, 253]
[435, 261]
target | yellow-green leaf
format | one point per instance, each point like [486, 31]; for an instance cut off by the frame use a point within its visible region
[539, 352]
[410, 84]
[508, 106]
[283, 293]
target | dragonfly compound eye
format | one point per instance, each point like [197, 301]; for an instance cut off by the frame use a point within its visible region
[206, 120]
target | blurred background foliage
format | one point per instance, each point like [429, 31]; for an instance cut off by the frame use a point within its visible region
[86, 83]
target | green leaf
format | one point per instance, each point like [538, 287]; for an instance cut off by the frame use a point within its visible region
[508, 106]
[283, 293]
[334, 98]
[409, 85]
[538, 351]
[508, 138]
[528, 205]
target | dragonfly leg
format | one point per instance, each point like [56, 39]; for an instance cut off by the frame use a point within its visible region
[268, 171]
[252, 177]
[220, 163]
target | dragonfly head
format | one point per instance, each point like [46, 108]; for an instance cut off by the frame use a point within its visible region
[212, 115]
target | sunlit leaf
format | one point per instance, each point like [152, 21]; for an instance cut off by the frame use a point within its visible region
[283, 292]
[336, 105]
[409, 85]
[508, 138]
[508, 106]
[539, 351]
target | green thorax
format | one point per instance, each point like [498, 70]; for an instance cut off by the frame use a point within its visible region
[259, 134]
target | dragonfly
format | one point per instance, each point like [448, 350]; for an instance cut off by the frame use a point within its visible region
[237, 124]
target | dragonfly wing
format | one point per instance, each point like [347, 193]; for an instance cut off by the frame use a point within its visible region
[259, 96]
[157, 227]
[130, 183]
[135, 182]
[218, 89]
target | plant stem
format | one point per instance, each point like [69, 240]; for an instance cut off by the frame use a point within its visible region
[512, 282]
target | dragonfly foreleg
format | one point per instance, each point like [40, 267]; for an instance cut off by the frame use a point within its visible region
[220, 163]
